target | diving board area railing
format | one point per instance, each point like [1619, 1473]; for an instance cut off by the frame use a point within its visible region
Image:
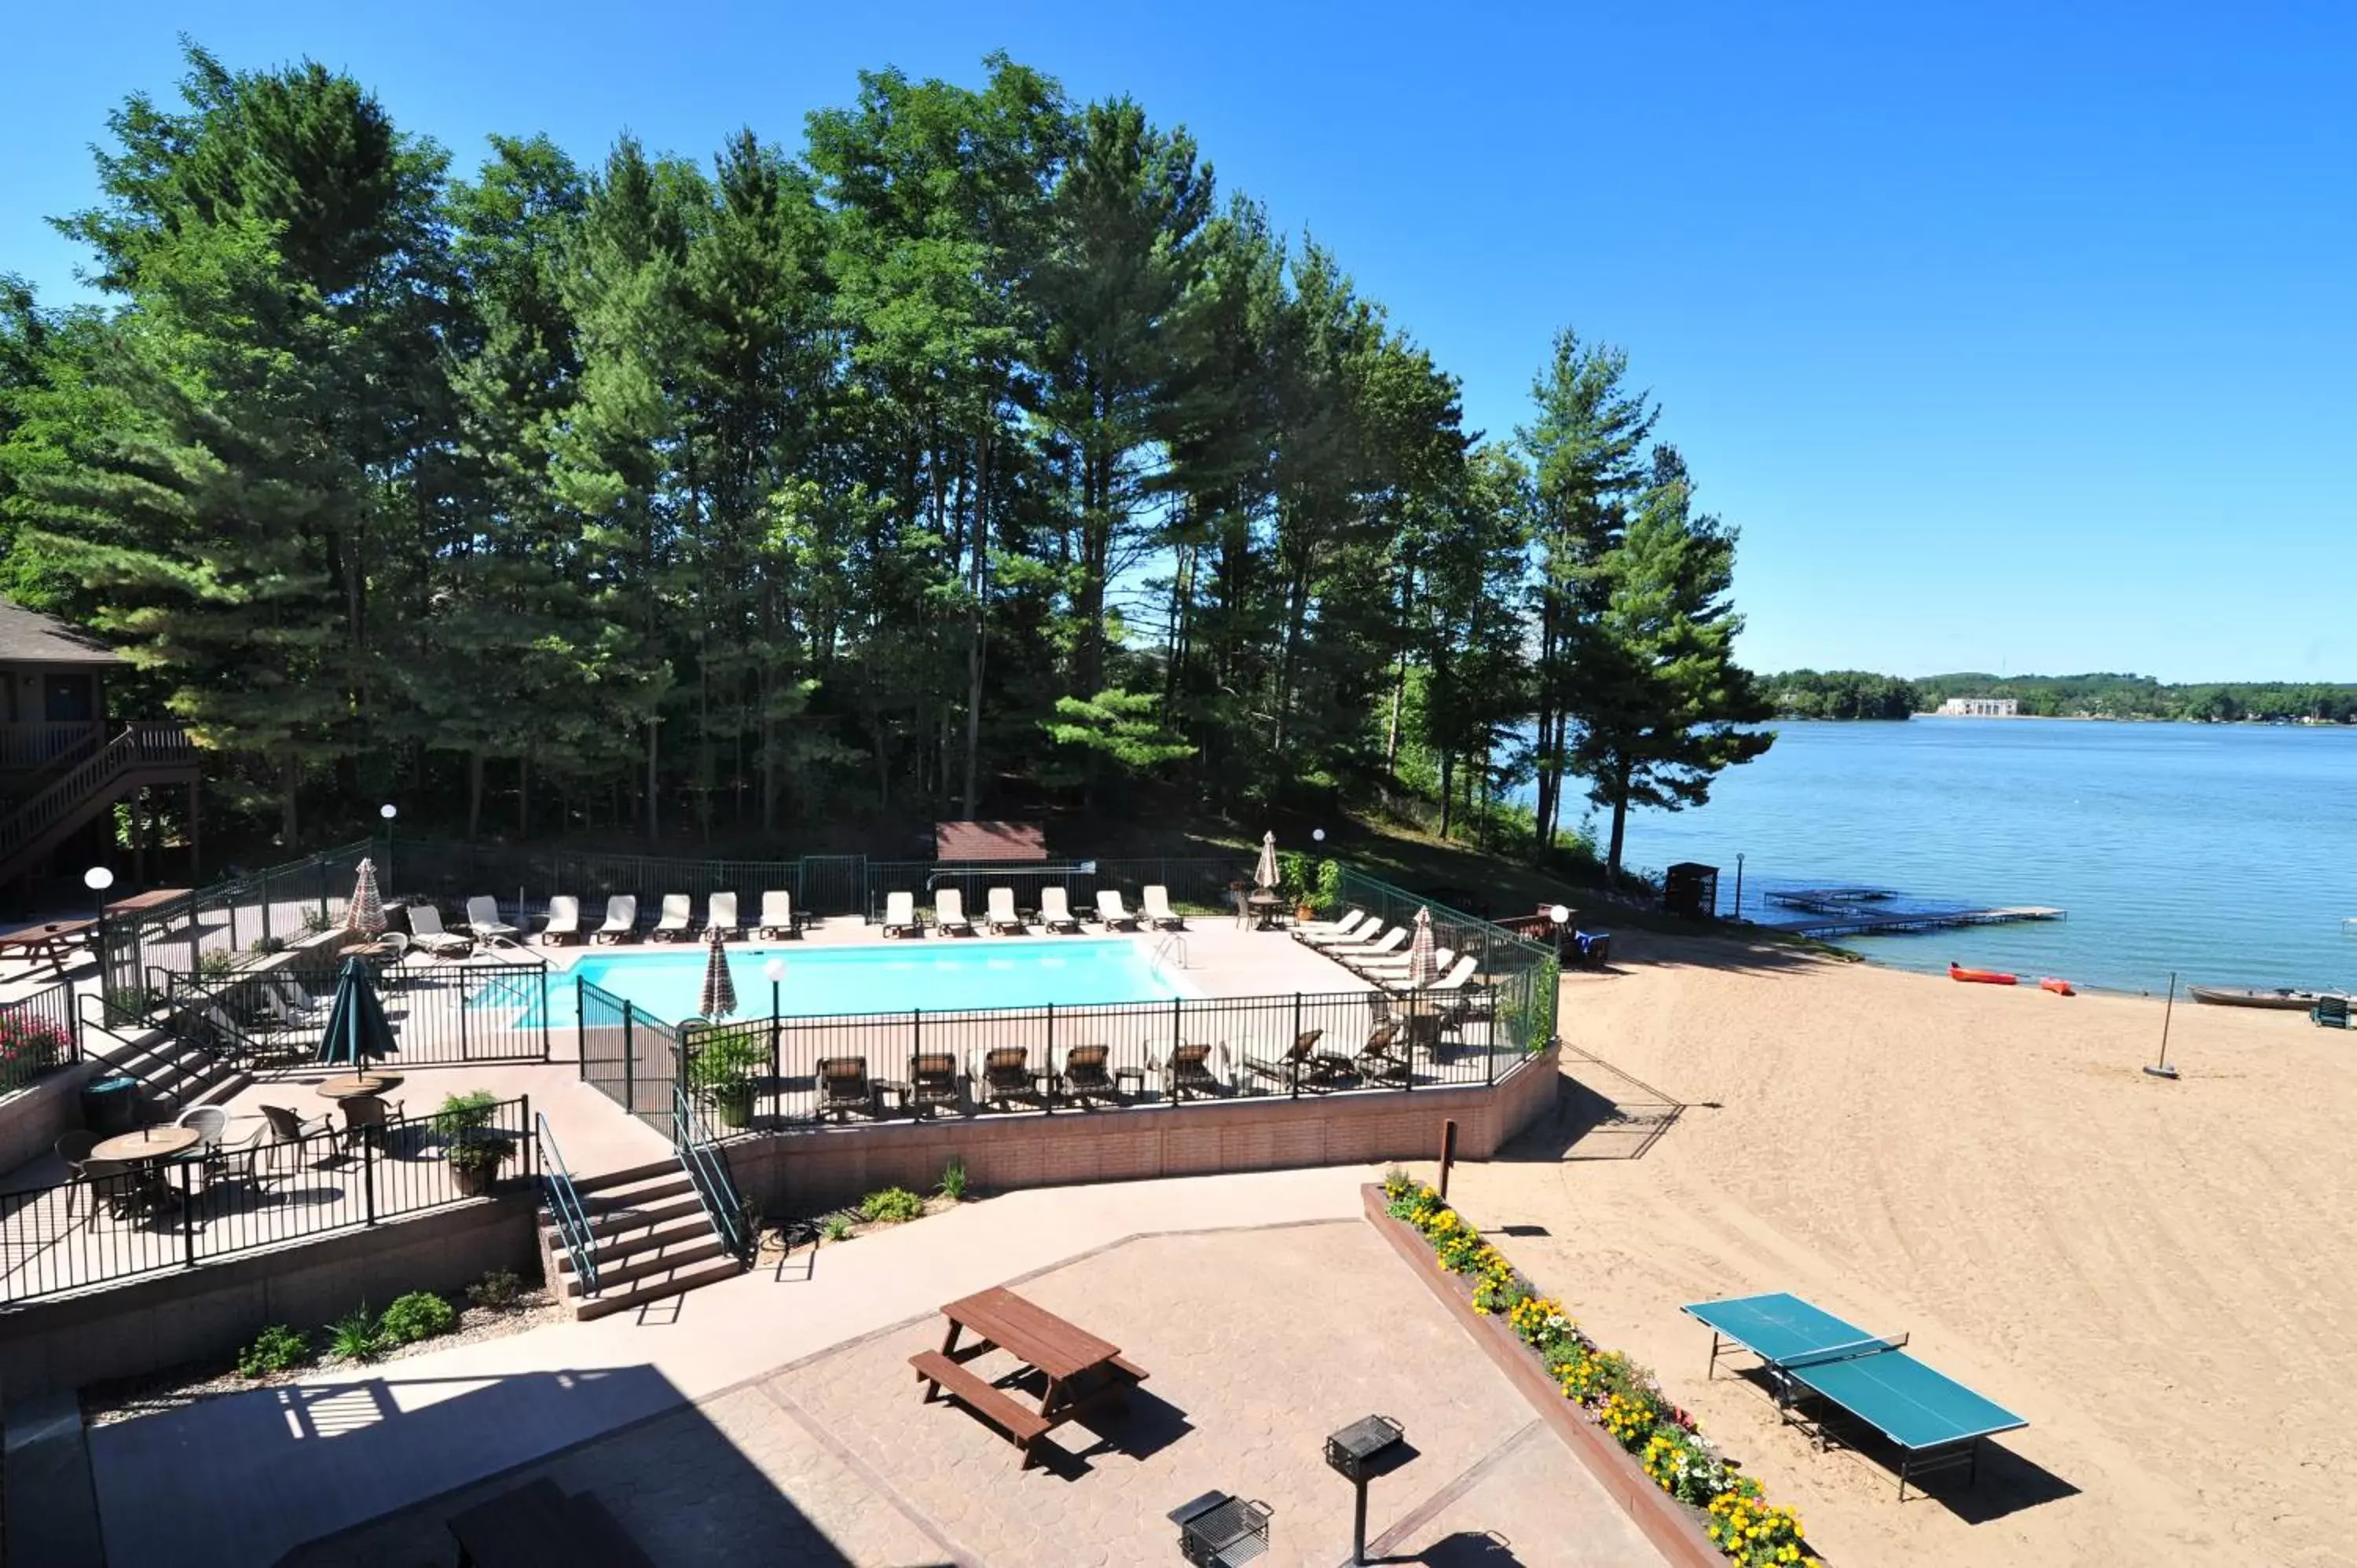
[1804, 1351]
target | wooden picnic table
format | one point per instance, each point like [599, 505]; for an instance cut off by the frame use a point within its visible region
[54, 944]
[1082, 1372]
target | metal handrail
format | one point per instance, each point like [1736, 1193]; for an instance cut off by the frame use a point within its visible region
[708, 1173]
[137, 745]
[564, 1201]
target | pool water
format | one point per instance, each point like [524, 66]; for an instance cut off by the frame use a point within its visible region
[936, 975]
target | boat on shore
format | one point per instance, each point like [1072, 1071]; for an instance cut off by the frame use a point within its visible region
[1981, 976]
[2282, 998]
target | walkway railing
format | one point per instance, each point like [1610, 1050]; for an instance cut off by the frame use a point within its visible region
[562, 1201]
[707, 1171]
[37, 1036]
[469, 1012]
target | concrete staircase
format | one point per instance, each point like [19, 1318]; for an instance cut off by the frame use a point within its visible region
[174, 1073]
[652, 1240]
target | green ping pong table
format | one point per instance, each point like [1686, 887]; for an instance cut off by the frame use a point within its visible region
[1936, 1422]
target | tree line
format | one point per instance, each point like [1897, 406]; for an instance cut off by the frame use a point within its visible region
[1860, 694]
[981, 454]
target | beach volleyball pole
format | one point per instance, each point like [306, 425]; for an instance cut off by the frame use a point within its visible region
[2161, 1067]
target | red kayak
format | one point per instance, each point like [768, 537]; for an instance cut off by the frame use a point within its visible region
[1981, 976]
[2060, 987]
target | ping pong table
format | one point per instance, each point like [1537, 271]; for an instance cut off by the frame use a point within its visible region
[1936, 1422]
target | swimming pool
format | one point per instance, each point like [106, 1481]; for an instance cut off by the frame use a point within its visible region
[936, 975]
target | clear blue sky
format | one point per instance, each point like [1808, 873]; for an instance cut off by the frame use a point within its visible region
[2013, 335]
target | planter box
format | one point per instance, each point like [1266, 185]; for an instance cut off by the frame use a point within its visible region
[1674, 1530]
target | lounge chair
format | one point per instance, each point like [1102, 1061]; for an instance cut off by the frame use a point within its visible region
[948, 913]
[2330, 1013]
[720, 918]
[426, 933]
[1158, 912]
[483, 920]
[1301, 1068]
[1453, 978]
[1189, 1070]
[563, 923]
[1004, 1074]
[778, 915]
[621, 919]
[1085, 1075]
[671, 925]
[900, 916]
[1392, 942]
[1322, 933]
[1376, 1059]
[933, 1082]
[1002, 917]
[1393, 967]
[1056, 910]
[1111, 913]
[295, 999]
[843, 1086]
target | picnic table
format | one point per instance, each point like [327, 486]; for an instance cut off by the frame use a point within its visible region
[55, 943]
[1081, 1373]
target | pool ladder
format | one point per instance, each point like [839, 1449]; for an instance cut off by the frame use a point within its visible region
[1172, 947]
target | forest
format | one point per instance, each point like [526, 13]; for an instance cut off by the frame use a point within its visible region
[979, 453]
[1859, 694]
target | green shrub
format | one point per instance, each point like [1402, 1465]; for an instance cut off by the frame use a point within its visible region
[953, 1180]
[497, 1291]
[356, 1336]
[891, 1206]
[266, 945]
[278, 1350]
[838, 1227]
[464, 1112]
[420, 1315]
[216, 964]
[315, 920]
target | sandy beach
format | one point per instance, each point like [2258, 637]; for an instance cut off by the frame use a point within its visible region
[2151, 1272]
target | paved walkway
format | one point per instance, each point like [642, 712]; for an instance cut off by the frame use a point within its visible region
[238, 1481]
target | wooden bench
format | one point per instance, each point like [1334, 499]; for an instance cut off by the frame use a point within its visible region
[1023, 1427]
[537, 1526]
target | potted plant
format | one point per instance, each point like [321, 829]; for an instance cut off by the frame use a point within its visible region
[723, 1069]
[476, 1149]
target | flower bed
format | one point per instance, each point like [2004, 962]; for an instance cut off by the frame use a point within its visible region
[1618, 1396]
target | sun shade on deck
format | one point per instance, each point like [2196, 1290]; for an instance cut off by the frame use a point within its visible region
[964, 843]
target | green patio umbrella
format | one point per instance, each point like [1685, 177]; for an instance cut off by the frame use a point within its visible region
[357, 1026]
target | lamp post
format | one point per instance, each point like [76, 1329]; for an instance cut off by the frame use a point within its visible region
[776, 970]
[1561, 915]
[98, 879]
[388, 812]
[1738, 886]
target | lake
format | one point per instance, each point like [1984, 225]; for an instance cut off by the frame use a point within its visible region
[2223, 852]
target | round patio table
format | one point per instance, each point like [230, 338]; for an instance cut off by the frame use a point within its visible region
[148, 1144]
[355, 1086]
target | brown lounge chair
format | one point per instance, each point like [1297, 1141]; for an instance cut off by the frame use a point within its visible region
[1301, 1068]
[1005, 1075]
[1376, 1059]
[843, 1086]
[1188, 1071]
[1086, 1075]
[932, 1082]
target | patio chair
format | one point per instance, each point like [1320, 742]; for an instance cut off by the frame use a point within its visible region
[1086, 1075]
[1320, 933]
[240, 1161]
[1111, 914]
[210, 1121]
[778, 915]
[73, 1148]
[367, 1116]
[932, 1082]
[289, 1131]
[1188, 1070]
[483, 919]
[843, 1086]
[1004, 1074]
[621, 919]
[720, 918]
[900, 916]
[117, 1183]
[426, 934]
[672, 925]
[1158, 912]
[2330, 1013]
[563, 924]
[948, 913]
[1056, 910]
[1003, 918]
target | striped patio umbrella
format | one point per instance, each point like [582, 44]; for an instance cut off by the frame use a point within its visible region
[366, 915]
[719, 998]
[356, 1029]
[1265, 876]
[1421, 970]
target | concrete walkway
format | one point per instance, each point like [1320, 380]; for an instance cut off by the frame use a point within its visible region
[239, 1481]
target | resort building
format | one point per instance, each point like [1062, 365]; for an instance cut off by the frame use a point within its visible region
[1981, 708]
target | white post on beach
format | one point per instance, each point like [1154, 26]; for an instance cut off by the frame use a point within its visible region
[2161, 1067]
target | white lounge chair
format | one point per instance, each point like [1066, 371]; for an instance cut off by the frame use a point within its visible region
[1158, 912]
[621, 918]
[426, 932]
[1454, 980]
[900, 916]
[564, 921]
[1394, 966]
[1002, 916]
[720, 915]
[1111, 913]
[483, 919]
[948, 913]
[1056, 910]
[1360, 952]
[671, 925]
[777, 915]
[1353, 927]
[295, 999]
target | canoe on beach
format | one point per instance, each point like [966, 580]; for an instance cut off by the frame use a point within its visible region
[1980, 976]
[2285, 1000]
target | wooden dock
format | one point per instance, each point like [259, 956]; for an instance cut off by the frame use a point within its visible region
[1829, 912]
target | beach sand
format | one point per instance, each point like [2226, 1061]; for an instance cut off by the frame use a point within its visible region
[2152, 1273]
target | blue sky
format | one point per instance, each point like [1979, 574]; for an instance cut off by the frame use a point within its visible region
[2013, 336]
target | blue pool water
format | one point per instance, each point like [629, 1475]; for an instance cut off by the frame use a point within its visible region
[883, 977]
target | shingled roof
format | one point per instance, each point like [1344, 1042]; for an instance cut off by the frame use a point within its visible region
[962, 841]
[29, 637]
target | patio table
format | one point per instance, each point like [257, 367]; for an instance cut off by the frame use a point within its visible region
[357, 1086]
[146, 1151]
[1082, 1372]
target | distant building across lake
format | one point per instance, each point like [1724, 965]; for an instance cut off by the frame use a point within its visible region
[1981, 708]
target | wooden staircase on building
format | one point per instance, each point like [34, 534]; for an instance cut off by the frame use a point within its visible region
[143, 756]
[651, 1237]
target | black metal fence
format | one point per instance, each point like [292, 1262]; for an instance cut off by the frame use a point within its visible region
[1197, 885]
[259, 911]
[1522, 972]
[37, 1036]
[440, 1013]
[147, 1215]
[630, 1056]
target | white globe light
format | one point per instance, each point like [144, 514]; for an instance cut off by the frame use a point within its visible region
[775, 969]
[98, 879]
[1559, 914]
[388, 812]
[1319, 834]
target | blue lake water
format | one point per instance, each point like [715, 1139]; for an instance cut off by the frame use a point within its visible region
[2225, 852]
[936, 975]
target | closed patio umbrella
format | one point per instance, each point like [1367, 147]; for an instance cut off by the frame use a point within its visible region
[357, 1026]
[367, 914]
[719, 998]
[1265, 876]
[1421, 969]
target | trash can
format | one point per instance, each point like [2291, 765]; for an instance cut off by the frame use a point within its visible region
[111, 1105]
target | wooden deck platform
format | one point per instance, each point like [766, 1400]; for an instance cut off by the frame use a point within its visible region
[1828, 913]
